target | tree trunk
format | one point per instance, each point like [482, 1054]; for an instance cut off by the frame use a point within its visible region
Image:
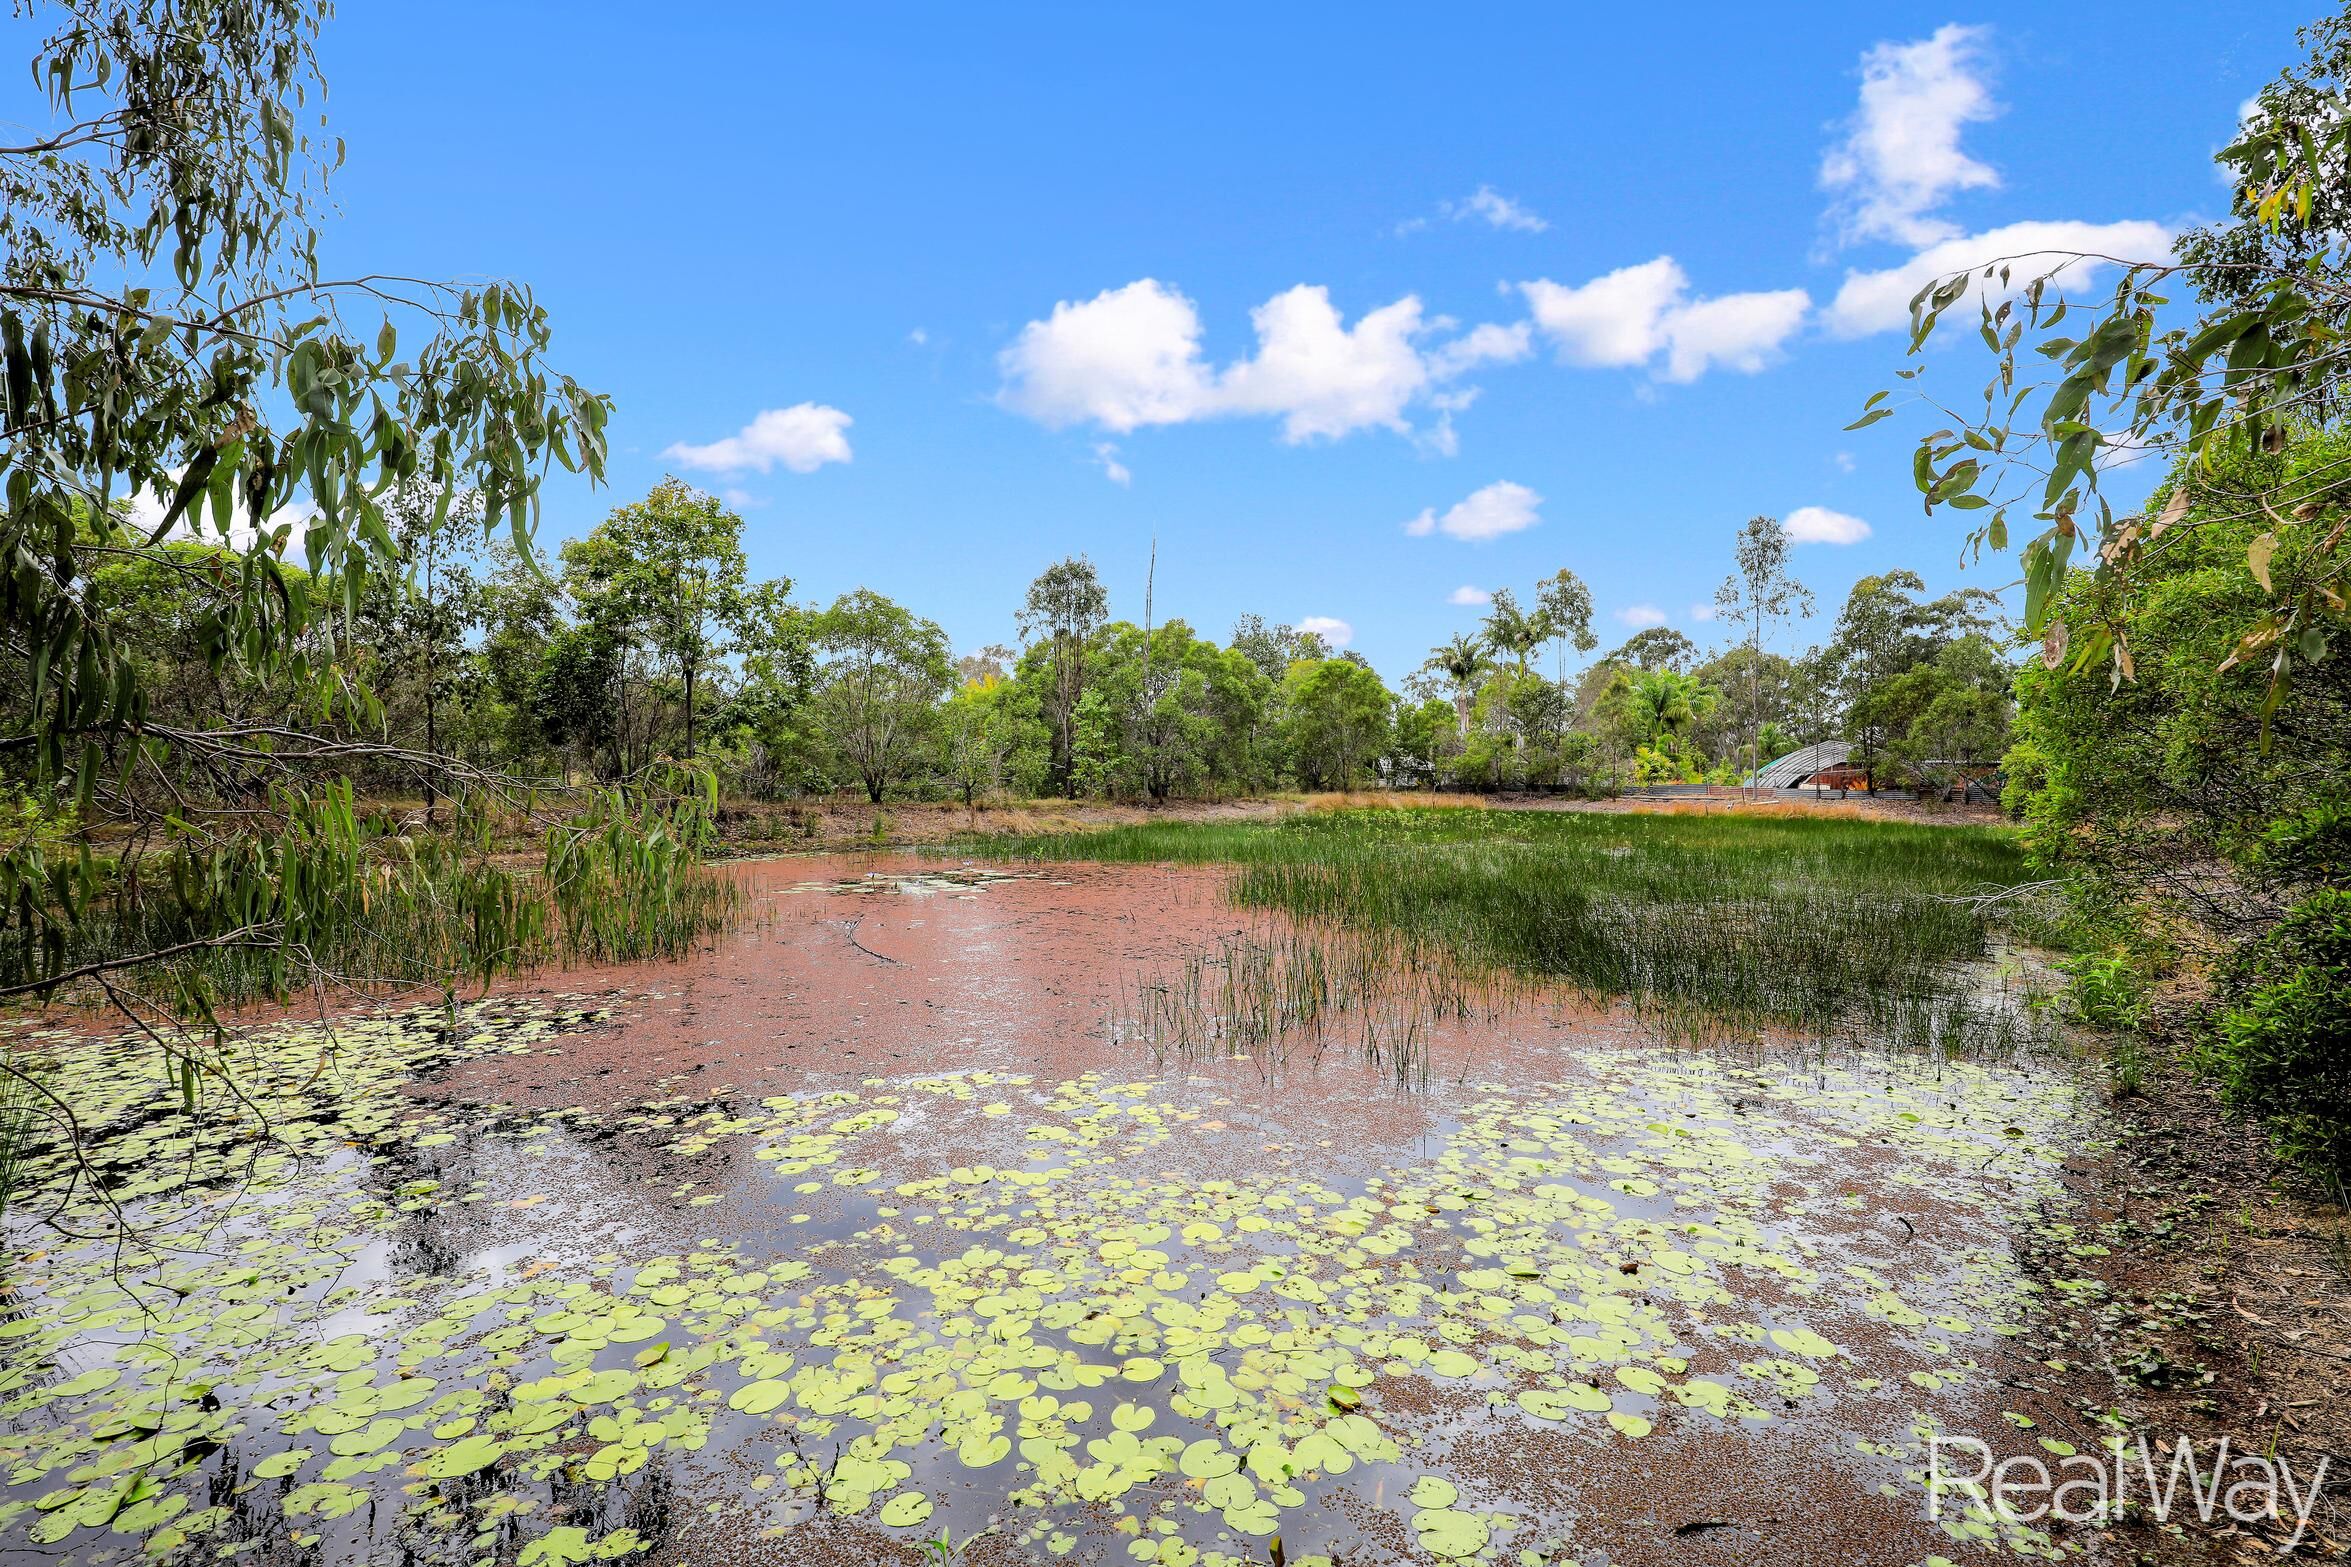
[432, 745]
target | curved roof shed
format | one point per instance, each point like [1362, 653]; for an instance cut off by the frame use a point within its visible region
[1794, 769]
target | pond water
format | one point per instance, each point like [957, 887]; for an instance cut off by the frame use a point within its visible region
[869, 1236]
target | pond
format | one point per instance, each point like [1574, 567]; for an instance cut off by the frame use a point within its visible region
[873, 1234]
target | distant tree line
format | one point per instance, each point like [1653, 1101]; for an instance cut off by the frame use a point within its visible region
[649, 639]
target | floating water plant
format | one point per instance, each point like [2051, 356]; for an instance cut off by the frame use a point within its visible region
[1067, 1335]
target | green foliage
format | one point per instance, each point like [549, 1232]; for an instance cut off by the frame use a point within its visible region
[198, 688]
[666, 574]
[1425, 740]
[1759, 593]
[2309, 847]
[882, 673]
[2145, 784]
[1171, 714]
[980, 725]
[1340, 719]
[1654, 647]
[1065, 606]
[1513, 631]
[2283, 1045]
[2201, 795]
[1895, 656]
[2262, 360]
[2109, 989]
[234, 389]
[1662, 706]
[626, 878]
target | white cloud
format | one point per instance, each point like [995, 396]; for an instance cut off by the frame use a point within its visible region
[1334, 631]
[1132, 356]
[1701, 612]
[1469, 597]
[1844, 462]
[803, 437]
[1125, 358]
[1737, 331]
[1498, 210]
[1628, 317]
[918, 337]
[740, 499]
[1880, 301]
[1499, 508]
[1323, 378]
[1819, 525]
[1640, 615]
[1612, 321]
[1487, 344]
[1900, 161]
[1106, 457]
[1901, 155]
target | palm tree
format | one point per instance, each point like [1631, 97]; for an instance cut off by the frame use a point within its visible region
[1664, 702]
[1512, 630]
[1461, 661]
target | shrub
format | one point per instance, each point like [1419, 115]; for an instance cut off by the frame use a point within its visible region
[2311, 846]
[2109, 990]
[2283, 1046]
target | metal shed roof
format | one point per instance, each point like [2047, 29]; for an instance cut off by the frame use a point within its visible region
[1798, 765]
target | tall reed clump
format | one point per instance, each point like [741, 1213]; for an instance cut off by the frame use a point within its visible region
[19, 1120]
[337, 896]
[628, 884]
[1706, 923]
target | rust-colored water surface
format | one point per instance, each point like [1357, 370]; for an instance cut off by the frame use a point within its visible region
[882, 1223]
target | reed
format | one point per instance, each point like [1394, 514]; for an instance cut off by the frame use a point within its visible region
[1286, 991]
[339, 896]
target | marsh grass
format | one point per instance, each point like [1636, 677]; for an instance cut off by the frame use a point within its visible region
[19, 1124]
[1732, 922]
[339, 897]
[1285, 991]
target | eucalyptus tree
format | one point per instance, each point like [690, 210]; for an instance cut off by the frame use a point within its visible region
[1178, 715]
[670, 568]
[177, 365]
[1270, 648]
[1065, 606]
[2130, 376]
[1341, 719]
[1886, 629]
[1565, 605]
[882, 673]
[1759, 593]
[416, 622]
[981, 731]
[1654, 647]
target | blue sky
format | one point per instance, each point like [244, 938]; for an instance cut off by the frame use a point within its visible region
[1011, 283]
